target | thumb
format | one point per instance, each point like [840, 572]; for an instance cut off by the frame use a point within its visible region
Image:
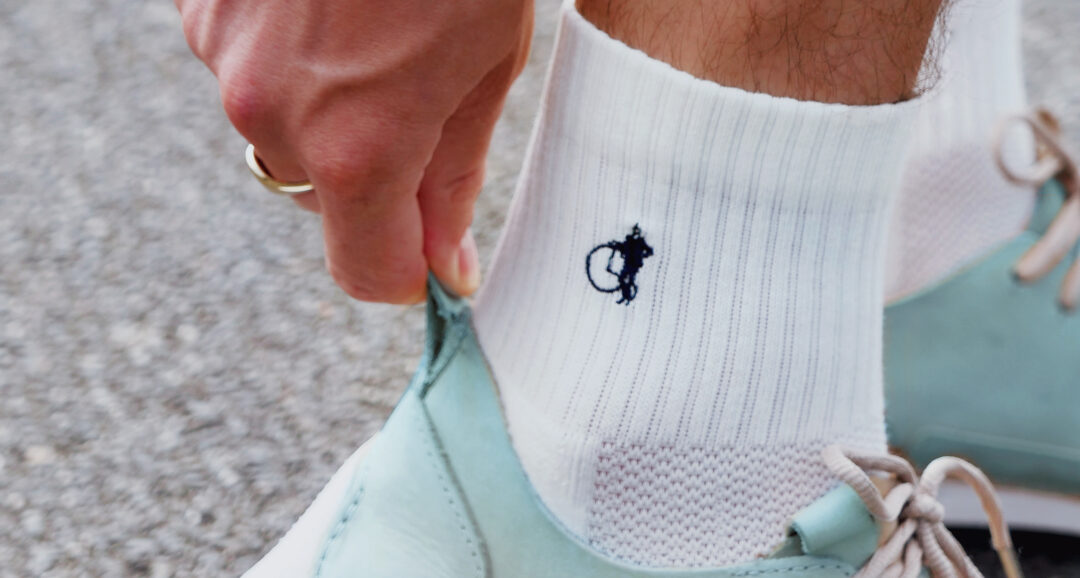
[452, 181]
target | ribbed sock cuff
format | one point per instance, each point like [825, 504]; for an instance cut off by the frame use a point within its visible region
[640, 115]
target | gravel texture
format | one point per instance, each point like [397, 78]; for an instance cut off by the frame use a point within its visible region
[178, 375]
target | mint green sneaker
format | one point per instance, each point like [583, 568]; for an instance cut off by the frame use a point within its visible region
[986, 364]
[440, 493]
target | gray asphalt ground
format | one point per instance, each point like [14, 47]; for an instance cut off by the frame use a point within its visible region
[178, 375]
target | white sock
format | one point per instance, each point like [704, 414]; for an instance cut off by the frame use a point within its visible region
[955, 206]
[683, 428]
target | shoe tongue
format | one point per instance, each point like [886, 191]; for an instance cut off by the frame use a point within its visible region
[837, 526]
[1051, 197]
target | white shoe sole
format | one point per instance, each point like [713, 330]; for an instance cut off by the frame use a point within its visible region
[296, 554]
[1024, 509]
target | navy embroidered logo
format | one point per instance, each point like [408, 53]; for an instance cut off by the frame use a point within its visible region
[631, 252]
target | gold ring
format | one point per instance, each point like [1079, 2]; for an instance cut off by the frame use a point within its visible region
[258, 169]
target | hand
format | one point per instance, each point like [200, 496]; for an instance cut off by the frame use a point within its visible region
[386, 107]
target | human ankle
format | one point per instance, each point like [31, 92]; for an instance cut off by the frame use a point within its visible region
[750, 334]
[858, 53]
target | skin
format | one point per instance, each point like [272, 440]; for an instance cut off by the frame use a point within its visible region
[858, 52]
[388, 107]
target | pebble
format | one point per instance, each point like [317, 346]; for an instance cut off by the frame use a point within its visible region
[33, 523]
[39, 455]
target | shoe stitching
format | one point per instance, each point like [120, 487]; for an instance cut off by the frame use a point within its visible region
[455, 506]
[339, 527]
[452, 501]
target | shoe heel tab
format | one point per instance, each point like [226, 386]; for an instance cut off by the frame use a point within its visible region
[447, 316]
[443, 302]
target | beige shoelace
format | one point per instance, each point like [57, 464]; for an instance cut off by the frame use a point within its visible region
[1053, 161]
[911, 510]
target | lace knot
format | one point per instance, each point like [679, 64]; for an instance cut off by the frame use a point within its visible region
[920, 537]
[924, 507]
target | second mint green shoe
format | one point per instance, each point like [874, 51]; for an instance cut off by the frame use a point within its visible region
[440, 493]
[986, 364]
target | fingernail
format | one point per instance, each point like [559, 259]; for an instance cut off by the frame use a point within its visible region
[468, 264]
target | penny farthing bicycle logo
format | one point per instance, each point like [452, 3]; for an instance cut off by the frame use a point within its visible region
[613, 266]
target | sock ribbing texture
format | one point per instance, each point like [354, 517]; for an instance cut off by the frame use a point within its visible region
[683, 426]
[954, 204]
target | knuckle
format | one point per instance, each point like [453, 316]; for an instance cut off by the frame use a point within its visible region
[338, 173]
[192, 26]
[346, 169]
[197, 22]
[465, 187]
[191, 21]
[243, 99]
[373, 160]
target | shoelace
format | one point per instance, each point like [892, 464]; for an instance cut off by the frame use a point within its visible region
[920, 537]
[1053, 161]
